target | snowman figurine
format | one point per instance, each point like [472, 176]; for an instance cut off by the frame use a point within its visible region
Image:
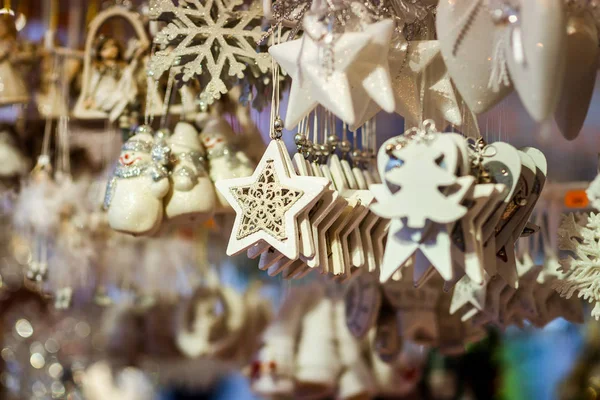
[192, 196]
[134, 194]
[224, 162]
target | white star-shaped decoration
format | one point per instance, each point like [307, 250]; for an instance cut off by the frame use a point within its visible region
[268, 203]
[312, 84]
[372, 70]
[468, 292]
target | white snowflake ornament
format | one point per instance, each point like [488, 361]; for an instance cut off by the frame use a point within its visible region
[215, 38]
[582, 272]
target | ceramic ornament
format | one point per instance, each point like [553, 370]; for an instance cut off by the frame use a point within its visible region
[374, 76]
[472, 46]
[130, 384]
[315, 83]
[135, 192]
[268, 202]
[273, 371]
[15, 90]
[356, 380]
[317, 364]
[201, 332]
[223, 160]
[192, 197]
[109, 80]
[580, 74]
[536, 55]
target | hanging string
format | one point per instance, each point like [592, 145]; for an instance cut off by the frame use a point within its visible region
[7, 5]
[275, 92]
[167, 101]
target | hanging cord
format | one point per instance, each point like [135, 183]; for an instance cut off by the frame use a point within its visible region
[149, 114]
[275, 131]
[167, 101]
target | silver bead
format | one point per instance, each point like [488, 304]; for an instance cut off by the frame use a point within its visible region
[162, 134]
[143, 129]
[333, 141]
[299, 139]
[345, 146]
[278, 125]
[356, 154]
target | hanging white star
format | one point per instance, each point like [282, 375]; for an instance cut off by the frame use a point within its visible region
[268, 203]
[312, 83]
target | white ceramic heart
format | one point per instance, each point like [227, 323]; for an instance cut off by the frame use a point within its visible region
[580, 75]
[536, 55]
[468, 41]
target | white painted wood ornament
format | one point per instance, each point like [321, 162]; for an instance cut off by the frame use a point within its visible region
[268, 203]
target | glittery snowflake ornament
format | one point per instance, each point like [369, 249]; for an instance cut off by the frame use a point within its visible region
[208, 38]
[581, 237]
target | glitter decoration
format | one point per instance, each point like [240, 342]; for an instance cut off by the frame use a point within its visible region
[213, 38]
[264, 203]
[582, 272]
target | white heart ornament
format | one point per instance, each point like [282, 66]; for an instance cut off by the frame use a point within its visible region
[580, 74]
[536, 55]
[469, 42]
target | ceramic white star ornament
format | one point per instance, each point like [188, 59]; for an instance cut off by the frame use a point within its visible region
[312, 83]
[372, 70]
[268, 203]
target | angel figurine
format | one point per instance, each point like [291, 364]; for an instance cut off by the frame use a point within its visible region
[112, 87]
[13, 89]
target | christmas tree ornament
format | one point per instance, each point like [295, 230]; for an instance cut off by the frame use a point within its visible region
[314, 81]
[317, 364]
[15, 163]
[535, 55]
[136, 191]
[213, 41]
[268, 203]
[273, 371]
[130, 383]
[14, 90]
[356, 380]
[472, 43]
[581, 272]
[580, 74]
[223, 160]
[192, 197]
[214, 323]
[109, 80]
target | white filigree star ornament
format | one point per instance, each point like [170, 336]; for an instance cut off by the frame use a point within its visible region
[268, 203]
